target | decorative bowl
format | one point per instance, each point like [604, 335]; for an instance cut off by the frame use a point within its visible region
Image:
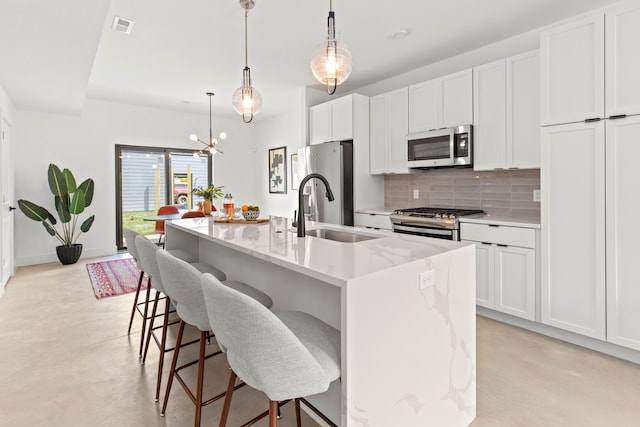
[251, 215]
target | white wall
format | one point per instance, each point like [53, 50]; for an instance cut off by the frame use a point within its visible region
[86, 145]
[244, 171]
[502, 49]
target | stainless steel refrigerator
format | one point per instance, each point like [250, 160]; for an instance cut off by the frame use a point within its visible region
[334, 161]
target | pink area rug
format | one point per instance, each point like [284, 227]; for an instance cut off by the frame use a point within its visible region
[115, 277]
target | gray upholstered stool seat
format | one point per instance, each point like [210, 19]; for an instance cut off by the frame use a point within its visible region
[182, 282]
[203, 267]
[286, 355]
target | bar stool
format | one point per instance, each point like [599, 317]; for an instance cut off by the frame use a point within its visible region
[286, 355]
[130, 238]
[182, 283]
[164, 210]
[147, 252]
[193, 214]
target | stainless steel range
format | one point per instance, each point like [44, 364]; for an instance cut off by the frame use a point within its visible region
[441, 223]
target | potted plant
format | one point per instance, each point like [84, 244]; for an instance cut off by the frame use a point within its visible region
[70, 200]
[207, 193]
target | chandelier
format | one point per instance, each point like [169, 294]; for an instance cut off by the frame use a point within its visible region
[211, 146]
[331, 62]
[247, 101]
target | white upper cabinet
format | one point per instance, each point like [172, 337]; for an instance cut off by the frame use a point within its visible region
[572, 71]
[331, 121]
[442, 102]
[489, 112]
[506, 113]
[388, 121]
[585, 69]
[523, 111]
[622, 60]
[320, 123]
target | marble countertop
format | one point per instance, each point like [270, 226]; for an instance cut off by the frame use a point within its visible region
[526, 222]
[333, 262]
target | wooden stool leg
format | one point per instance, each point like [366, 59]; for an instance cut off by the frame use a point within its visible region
[273, 413]
[298, 421]
[174, 362]
[227, 398]
[144, 317]
[135, 301]
[163, 345]
[203, 343]
[150, 329]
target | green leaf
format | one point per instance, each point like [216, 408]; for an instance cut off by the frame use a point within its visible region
[86, 225]
[49, 228]
[77, 203]
[33, 211]
[87, 187]
[57, 183]
[62, 207]
[69, 180]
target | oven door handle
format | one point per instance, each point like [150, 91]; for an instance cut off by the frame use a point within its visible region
[427, 223]
[421, 230]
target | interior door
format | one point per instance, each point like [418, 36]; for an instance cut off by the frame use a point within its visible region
[7, 181]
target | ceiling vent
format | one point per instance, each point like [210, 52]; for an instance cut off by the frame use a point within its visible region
[122, 25]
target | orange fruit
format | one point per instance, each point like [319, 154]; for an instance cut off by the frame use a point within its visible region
[245, 208]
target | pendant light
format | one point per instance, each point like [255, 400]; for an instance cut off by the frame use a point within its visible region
[211, 148]
[246, 99]
[331, 62]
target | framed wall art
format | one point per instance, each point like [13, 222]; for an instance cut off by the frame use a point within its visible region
[278, 170]
[295, 178]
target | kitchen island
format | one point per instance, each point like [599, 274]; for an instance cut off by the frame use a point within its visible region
[405, 307]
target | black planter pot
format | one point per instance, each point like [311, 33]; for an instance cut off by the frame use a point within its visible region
[69, 254]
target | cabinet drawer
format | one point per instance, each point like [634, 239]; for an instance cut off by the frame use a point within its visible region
[372, 221]
[499, 234]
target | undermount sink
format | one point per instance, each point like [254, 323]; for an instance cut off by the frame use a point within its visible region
[340, 235]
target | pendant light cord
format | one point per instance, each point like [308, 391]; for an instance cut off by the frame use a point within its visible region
[246, 45]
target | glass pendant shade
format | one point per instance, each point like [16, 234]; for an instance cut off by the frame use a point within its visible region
[331, 63]
[247, 101]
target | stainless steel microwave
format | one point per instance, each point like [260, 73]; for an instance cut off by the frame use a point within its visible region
[442, 147]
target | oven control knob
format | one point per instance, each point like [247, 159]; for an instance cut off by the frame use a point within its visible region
[452, 216]
[438, 215]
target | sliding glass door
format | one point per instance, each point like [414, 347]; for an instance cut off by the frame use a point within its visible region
[150, 177]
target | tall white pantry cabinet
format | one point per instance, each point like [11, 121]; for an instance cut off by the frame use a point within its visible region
[590, 143]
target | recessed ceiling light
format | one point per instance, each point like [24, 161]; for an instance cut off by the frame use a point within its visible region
[122, 25]
[399, 34]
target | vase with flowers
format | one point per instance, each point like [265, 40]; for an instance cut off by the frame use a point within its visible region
[208, 194]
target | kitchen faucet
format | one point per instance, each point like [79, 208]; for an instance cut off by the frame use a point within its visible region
[304, 181]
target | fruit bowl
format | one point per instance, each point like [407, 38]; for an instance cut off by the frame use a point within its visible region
[251, 215]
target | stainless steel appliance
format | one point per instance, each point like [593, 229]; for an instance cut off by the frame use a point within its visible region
[334, 161]
[441, 223]
[442, 147]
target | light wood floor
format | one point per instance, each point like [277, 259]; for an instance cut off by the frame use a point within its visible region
[66, 360]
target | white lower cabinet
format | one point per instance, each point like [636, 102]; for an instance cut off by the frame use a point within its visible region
[572, 180]
[371, 220]
[505, 267]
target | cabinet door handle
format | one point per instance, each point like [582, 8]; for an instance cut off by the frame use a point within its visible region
[595, 119]
[619, 116]
[486, 243]
[501, 245]
[493, 225]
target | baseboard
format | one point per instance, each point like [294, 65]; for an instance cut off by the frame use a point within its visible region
[560, 334]
[87, 252]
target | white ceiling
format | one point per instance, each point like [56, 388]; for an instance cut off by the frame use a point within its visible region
[55, 53]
